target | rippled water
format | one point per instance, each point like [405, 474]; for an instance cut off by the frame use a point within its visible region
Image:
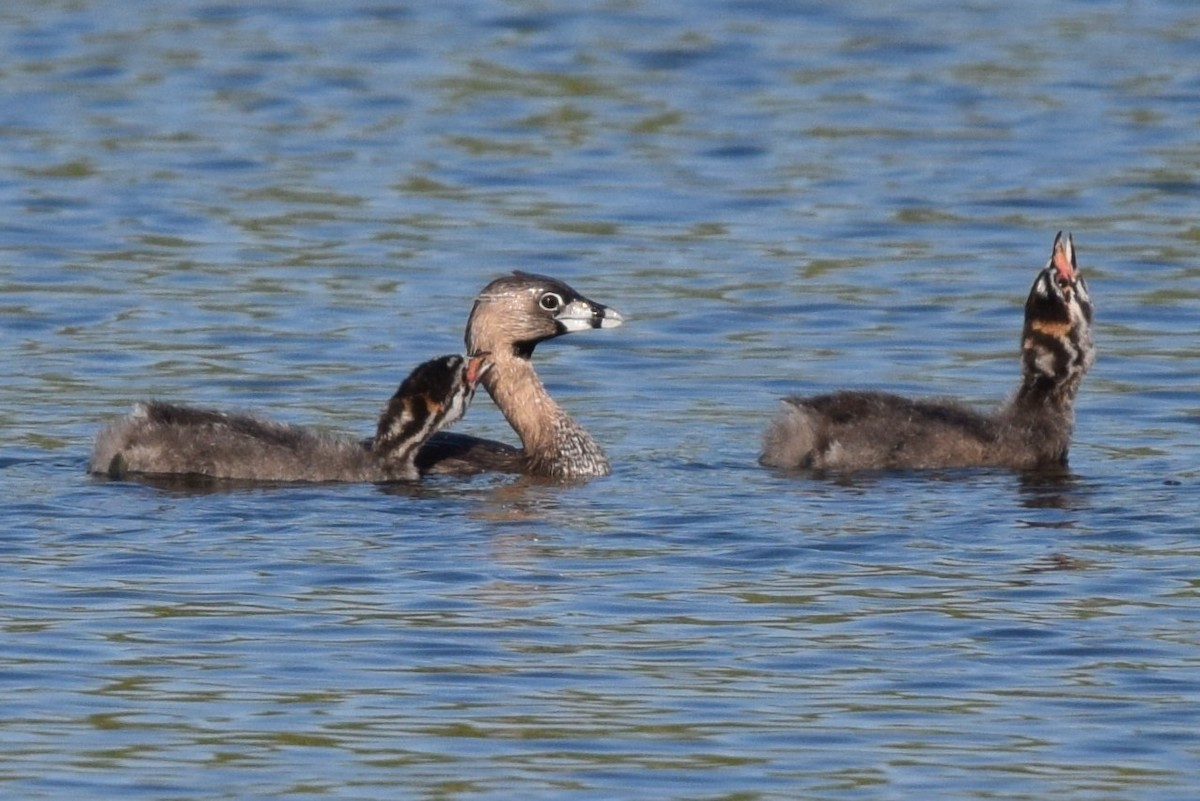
[284, 207]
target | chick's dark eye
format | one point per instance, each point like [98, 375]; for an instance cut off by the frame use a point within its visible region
[551, 302]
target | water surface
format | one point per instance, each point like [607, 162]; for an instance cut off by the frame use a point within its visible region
[284, 207]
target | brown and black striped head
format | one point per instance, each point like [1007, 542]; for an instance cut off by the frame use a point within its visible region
[435, 395]
[1056, 344]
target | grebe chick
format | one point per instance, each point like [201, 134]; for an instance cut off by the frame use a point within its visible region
[510, 317]
[168, 439]
[847, 431]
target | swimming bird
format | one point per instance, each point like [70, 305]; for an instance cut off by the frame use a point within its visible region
[847, 431]
[158, 439]
[511, 315]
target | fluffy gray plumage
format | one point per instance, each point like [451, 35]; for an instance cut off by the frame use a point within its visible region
[164, 439]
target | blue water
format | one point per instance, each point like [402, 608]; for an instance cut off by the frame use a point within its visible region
[284, 207]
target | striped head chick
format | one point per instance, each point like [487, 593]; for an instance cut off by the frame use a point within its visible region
[434, 396]
[1056, 343]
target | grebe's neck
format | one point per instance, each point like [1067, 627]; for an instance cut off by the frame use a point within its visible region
[555, 444]
[1055, 355]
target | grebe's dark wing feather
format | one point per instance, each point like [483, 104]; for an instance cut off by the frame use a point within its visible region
[451, 453]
